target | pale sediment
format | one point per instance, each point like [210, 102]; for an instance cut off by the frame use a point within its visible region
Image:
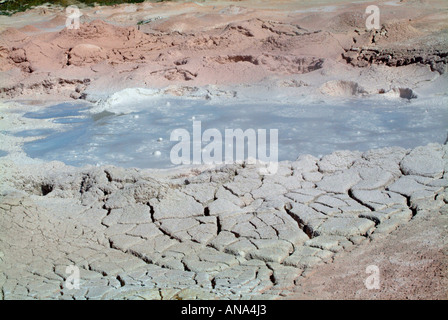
[227, 233]
[192, 45]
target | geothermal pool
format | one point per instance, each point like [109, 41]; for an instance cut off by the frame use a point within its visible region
[140, 136]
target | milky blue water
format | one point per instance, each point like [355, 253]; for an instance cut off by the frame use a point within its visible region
[131, 140]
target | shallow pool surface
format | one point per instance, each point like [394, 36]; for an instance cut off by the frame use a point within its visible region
[142, 138]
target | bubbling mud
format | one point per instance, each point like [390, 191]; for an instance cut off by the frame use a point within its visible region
[139, 135]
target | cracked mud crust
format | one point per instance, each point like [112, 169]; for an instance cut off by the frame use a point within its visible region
[226, 233]
[308, 231]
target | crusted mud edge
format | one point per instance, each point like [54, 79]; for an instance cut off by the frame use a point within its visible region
[222, 233]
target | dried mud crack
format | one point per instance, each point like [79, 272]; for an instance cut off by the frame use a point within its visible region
[242, 236]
